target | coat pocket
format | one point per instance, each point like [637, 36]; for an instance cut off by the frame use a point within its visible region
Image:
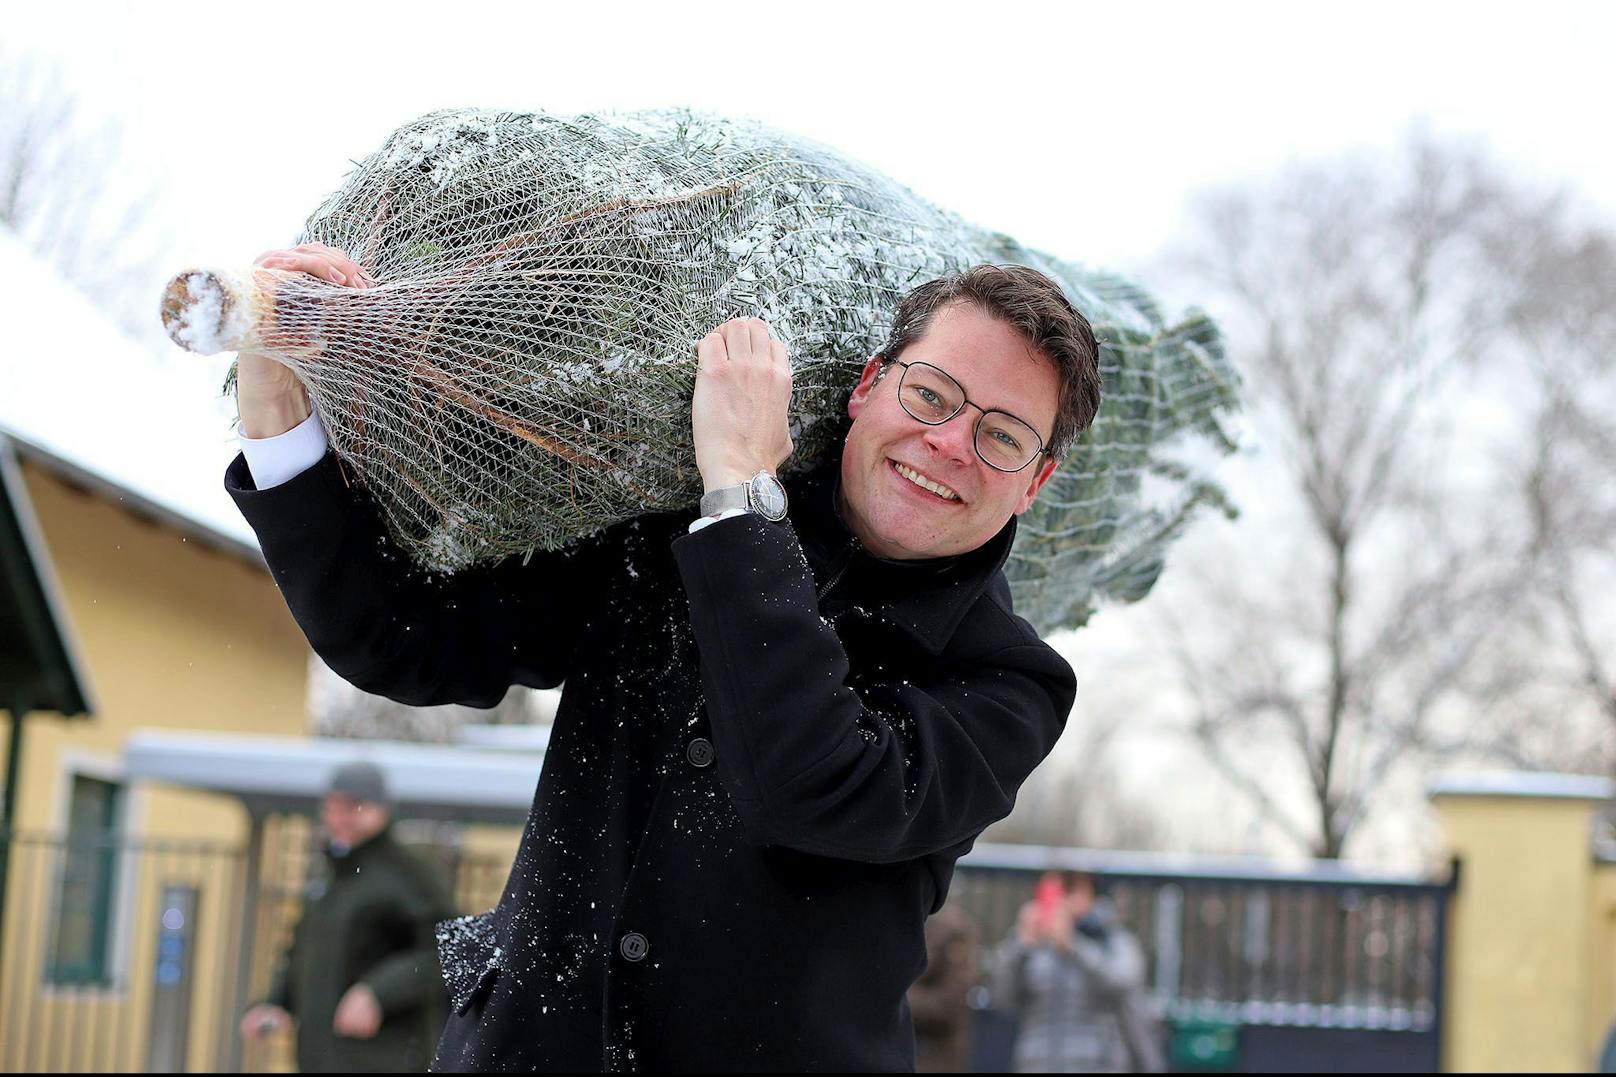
[469, 952]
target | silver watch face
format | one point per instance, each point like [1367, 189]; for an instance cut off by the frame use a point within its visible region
[768, 497]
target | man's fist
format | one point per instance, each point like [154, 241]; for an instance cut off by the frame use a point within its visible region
[262, 1020]
[743, 390]
[359, 1015]
[271, 399]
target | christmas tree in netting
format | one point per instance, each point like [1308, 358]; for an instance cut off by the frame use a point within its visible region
[522, 374]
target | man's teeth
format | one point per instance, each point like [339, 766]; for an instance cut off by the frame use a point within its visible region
[924, 483]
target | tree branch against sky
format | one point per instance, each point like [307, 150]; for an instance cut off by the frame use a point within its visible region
[1564, 316]
[65, 190]
[1341, 640]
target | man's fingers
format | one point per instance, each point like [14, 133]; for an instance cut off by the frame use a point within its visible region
[758, 337]
[737, 339]
[320, 261]
[709, 352]
[305, 263]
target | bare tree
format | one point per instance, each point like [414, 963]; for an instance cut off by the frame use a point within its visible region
[1339, 644]
[66, 191]
[1563, 313]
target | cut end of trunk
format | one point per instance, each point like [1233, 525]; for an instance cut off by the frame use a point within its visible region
[205, 311]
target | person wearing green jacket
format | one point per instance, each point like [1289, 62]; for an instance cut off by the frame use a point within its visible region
[361, 978]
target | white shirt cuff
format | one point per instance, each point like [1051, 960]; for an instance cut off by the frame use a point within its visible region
[274, 460]
[703, 521]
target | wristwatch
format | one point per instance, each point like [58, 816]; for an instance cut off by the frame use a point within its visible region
[763, 495]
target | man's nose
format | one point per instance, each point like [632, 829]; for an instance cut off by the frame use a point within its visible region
[953, 440]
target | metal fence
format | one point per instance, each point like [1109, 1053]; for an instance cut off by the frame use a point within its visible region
[1321, 965]
[137, 954]
[88, 961]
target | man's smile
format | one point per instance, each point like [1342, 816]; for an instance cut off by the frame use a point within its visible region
[932, 486]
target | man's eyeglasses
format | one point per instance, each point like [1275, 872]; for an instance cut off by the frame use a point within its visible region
[929, 394]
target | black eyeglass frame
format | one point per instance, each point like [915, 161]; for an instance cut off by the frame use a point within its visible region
[976, 431]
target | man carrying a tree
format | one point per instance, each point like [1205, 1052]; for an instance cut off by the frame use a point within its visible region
[784, 718]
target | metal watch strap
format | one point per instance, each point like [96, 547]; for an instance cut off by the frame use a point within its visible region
[724, 499]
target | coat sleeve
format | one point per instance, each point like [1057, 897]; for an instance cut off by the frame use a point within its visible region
[889, 772]
[393, 629]
[410, 977]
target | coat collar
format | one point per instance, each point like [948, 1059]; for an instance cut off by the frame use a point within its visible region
[365, 849]
[926, 599]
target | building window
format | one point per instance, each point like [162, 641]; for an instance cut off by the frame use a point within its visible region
[81, 943]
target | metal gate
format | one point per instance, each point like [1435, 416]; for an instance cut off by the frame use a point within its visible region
[1322, 968]
[136, 955]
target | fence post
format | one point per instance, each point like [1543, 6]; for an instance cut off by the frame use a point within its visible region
[8, 825]
[249, 934]
[1169, 942]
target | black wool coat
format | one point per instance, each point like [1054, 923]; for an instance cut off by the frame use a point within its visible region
[770, 751]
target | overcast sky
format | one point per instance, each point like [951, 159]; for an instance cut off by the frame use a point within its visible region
[1077, 127]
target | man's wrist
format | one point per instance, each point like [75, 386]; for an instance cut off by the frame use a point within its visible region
[724, 478]
[265, 419]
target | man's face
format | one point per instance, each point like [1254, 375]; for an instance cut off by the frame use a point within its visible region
[894, 517]
[348, 821]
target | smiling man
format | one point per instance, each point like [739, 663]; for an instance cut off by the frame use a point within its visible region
[784, 720]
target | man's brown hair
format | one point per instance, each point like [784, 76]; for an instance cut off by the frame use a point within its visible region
[1034, 306]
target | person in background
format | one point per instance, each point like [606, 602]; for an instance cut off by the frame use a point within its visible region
[361, 978]
[1076, 978]
[938, 1001]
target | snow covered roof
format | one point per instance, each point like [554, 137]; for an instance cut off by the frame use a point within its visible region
[434, 781]
[146, 426]
[1517, 783]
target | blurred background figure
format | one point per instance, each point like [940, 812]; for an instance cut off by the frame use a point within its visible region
[1074, 977]
[361, 977]
[939, 1000]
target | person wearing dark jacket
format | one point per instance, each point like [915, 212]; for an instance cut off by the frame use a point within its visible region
[361, 977]
[783, 720]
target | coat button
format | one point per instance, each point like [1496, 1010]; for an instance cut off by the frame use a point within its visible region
[634, 946]
[700, 752]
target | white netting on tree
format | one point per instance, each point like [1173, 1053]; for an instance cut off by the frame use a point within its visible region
[522, 373]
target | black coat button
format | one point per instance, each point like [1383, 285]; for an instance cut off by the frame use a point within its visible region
[634, 946]
[700, 752]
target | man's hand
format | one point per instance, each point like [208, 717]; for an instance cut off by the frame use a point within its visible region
[271, 399]
[262, 1020]
[359, 1015]
[743, 391]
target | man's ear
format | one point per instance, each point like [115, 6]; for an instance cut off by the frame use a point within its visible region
[1040, 475]
[866, 382]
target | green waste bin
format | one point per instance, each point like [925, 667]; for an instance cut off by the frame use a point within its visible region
[1205, 1045]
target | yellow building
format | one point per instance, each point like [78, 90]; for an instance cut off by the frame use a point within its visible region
[175, 627]
[1532, 947]
[162, 837]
